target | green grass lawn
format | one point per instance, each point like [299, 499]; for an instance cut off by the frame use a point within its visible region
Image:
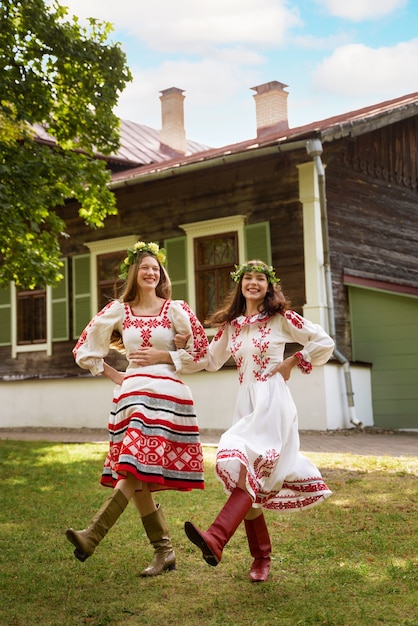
[351, 561]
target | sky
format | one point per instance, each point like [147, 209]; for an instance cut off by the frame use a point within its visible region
[335, 56]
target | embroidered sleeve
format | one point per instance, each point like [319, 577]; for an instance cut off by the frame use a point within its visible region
[194, 356]
[219, 349]
[93, 344]
[317, 344]
[303, 364]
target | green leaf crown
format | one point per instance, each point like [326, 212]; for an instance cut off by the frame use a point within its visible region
[268, 270]
[141, 247]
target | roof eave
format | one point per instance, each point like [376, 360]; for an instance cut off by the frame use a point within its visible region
[167, 170]
[360, 122]
[367, 124]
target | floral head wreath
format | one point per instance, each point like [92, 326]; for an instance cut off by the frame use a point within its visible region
[140, 248]
[240, 270]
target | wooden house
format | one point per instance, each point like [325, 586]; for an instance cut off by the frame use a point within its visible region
[333, 205]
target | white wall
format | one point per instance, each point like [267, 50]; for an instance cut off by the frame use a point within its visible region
[62, 403]
[86, 402]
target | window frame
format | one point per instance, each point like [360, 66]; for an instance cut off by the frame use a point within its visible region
[108, 284]
[215, 269]
[97, 248]
[196, 230]
[30, 295]
[45, 346]
[51, 300]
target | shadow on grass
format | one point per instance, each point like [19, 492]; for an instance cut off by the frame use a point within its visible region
[350, 561]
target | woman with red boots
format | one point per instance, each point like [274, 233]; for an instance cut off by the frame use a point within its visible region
[258, 458]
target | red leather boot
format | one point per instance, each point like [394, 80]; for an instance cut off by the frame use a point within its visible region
[260, 548]
[213, 541]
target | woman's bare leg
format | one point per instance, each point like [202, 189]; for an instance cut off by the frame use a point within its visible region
[144, 501]
[128, 486]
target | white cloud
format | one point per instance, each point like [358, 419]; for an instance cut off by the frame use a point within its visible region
[214, 40]
[193, 26]
[321, 42]
[208, 85]
[357, 69]
[218, 51]
[358, 10]
[215, 50]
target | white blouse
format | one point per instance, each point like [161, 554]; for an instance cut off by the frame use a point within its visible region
[137, 331]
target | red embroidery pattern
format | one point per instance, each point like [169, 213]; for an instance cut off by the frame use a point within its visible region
[308, 485]
[155, 459]
[303, 365]
[235, 347]
[145, 325]
[292, 496]
[297, 505]
[294, 318]
[264, 466]
[260, 343]
[200, 340]
[219, 333]
[245, 320]
[226, 477]
[260, 360]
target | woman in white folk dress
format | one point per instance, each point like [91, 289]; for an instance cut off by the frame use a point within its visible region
[154, 435]
[258, 458]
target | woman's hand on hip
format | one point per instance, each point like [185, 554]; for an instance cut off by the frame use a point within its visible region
[285, 367]
[114, 375]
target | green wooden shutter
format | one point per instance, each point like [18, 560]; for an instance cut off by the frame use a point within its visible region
[257, 242]
[59, 302]
[5, 316]
[81, 294]
[177, 267]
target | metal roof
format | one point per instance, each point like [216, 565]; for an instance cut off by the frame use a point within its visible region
[142, 155]
[352, 123]
[139, 145]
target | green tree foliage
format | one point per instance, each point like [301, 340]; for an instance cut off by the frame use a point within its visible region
[59, 76]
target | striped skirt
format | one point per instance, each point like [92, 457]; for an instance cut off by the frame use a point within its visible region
[153, 432]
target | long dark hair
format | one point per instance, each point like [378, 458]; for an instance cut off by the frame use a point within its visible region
[234, 305]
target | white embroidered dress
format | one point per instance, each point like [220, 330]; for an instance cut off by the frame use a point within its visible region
[153, 426]
[264, 436]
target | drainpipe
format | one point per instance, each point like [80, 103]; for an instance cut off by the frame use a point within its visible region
[314, 150]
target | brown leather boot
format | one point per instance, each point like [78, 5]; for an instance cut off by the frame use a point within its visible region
[159, 536]
[260, 548]
[85, 541]
[213, 541]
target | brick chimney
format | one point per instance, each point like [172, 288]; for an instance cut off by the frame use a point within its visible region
[271, 107]
[172, 132]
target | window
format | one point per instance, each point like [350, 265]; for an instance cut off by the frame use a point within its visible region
[32, 320]
[96, 277]
[215, 257]
[31, 316]
[108, 281]
[199, 263]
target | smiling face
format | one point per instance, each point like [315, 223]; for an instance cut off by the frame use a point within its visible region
[148, 273]
[254, 287]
